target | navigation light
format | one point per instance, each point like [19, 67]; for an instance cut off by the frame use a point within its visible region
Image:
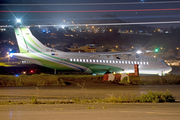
[156, 50]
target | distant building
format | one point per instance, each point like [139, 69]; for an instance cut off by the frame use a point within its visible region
[173, 62]
[86, 48]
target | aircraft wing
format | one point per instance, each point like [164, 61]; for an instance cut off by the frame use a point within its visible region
[118, 53]
[111, 54]
[122, 53]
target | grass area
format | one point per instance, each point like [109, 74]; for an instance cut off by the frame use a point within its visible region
[150, 97]
[80, 80]
[45, 79]
[155, 80]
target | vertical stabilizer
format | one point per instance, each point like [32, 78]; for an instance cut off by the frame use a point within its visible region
[28, 43]
[21, 41]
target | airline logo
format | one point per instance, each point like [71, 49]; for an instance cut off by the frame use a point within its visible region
[54, 54]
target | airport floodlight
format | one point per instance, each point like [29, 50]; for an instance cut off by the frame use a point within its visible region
[18, 20]
[139, 52]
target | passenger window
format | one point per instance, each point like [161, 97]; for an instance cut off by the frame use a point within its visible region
[87, 60]
[141, 63]
[137, 62]
[70, 59]
[125, 62]
[129, 62]
[144, 63]
[134, 62]
[109, 61]
[74, 60]
[120, 62]
[90, 60]
[84, 60]
[113, 61]
[97, 61]
[106, 61]
[103, 61]
[94, 61]
[77, 60]
[116, 61]
[147, 63]
[80, 60]
[100, 61]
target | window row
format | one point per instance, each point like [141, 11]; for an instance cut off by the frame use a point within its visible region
[108, 61]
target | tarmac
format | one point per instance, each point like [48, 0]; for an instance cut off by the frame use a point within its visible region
[108, 111]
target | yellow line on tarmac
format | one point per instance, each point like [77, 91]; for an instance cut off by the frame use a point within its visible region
[152, 113]
[162, 113]
[9, 95]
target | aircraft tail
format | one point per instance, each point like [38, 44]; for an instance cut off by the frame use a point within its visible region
[27, 43]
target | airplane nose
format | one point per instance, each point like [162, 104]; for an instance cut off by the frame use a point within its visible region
[168, 69]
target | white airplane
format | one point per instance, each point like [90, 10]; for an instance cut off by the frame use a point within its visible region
[32, 50]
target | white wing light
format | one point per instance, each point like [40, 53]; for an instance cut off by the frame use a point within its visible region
[138, 52]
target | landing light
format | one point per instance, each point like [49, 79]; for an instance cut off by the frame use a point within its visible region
[11, 54]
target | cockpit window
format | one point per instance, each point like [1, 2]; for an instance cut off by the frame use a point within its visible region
[163, 61]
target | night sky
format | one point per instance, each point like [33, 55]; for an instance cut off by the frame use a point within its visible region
[144, 15]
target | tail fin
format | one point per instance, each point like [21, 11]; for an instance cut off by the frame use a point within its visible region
[28, 43]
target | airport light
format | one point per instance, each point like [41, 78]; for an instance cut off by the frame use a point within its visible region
[18, 20]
